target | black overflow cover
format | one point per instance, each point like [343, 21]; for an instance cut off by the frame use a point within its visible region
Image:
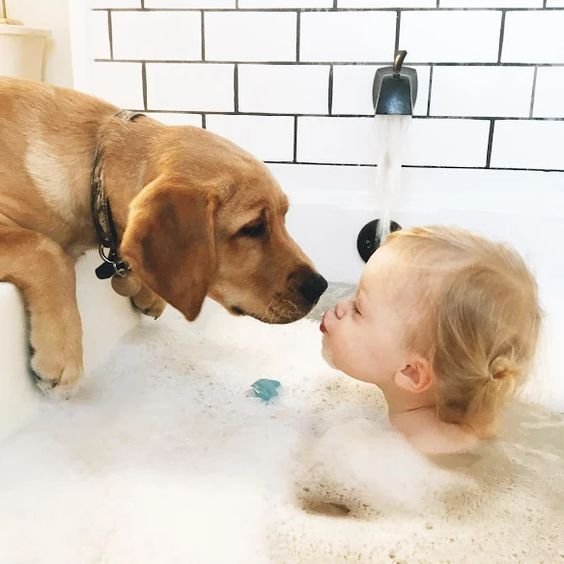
[368, 241]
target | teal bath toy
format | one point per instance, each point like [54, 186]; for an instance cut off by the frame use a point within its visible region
[265, 389]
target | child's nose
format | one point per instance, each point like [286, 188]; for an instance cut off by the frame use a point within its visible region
[341, 308]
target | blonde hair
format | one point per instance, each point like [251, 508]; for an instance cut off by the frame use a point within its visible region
[481, 326]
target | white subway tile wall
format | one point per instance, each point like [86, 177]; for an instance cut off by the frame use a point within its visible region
[457, 36]
[172, 36]
[119, 83]
[482, 91]
[269, 138]
[115, 3]
[285, 3]
[491, 3]
[291, 80]
[199, 87]
[98, 43]
[336, 140]
[448, 142]
[432, 142]
[250, 36]
[549, 94]
[284, 89]
[347, 36]
[533, 144]
[188, 4]
[534, 37]
[386, 3]
[176, 118]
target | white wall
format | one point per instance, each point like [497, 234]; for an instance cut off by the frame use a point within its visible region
[52, 15]
[291, 80]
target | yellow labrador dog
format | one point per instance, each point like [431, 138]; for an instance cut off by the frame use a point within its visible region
[179, 212]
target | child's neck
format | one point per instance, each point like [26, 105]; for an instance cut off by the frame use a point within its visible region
[415, 416]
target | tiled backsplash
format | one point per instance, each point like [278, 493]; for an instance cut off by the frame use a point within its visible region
[291, 80]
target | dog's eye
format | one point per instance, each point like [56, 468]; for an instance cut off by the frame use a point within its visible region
[257, 229]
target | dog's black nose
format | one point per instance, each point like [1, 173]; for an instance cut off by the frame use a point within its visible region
[312, 287]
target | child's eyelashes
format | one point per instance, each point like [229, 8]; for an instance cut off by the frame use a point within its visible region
[351, 304]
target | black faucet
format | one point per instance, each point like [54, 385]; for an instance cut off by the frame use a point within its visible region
[395, 88]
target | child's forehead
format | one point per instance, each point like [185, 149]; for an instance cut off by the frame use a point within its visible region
[383, 262]
[380, 273]
[387, 276]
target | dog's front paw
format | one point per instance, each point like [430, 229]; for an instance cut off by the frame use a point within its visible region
[58, 372]
[56, 358]
[148, 302]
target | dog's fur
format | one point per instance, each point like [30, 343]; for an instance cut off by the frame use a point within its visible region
[195, 214]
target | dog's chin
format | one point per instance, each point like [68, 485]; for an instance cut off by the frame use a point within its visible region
[272, 317]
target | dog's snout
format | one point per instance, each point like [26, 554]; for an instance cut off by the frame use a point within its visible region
[312, 287]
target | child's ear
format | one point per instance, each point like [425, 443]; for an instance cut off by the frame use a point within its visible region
[415, 377]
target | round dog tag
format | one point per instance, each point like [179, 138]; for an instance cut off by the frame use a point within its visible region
[127, 285]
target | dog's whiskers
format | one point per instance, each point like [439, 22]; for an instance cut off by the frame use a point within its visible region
[268, 312]
[292, 304]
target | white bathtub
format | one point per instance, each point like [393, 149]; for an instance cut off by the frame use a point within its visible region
[105, 318]
[331, 204]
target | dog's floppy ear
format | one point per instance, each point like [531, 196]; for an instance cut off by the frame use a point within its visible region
[169, 243]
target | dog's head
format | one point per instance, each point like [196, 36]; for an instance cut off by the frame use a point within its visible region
[212, 224]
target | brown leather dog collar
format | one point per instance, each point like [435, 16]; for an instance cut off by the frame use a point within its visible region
[102, 214]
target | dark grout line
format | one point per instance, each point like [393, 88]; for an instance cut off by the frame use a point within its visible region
[236, 88]
[430, 87]
[389, 9]
[298, 25]
[204, 121]
[144, 80]
[330, 100]
[203, 38]
[533, 93]
[366, 116]
[501, 35]
[321, 63]
[490, 143]
[110, 35]
[447, 167]
[295, 139]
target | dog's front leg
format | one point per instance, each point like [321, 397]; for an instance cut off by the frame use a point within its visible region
[45, 276]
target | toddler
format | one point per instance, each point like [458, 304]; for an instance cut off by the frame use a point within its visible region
[445, 323]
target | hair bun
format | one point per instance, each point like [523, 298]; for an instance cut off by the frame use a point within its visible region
[502, 368]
